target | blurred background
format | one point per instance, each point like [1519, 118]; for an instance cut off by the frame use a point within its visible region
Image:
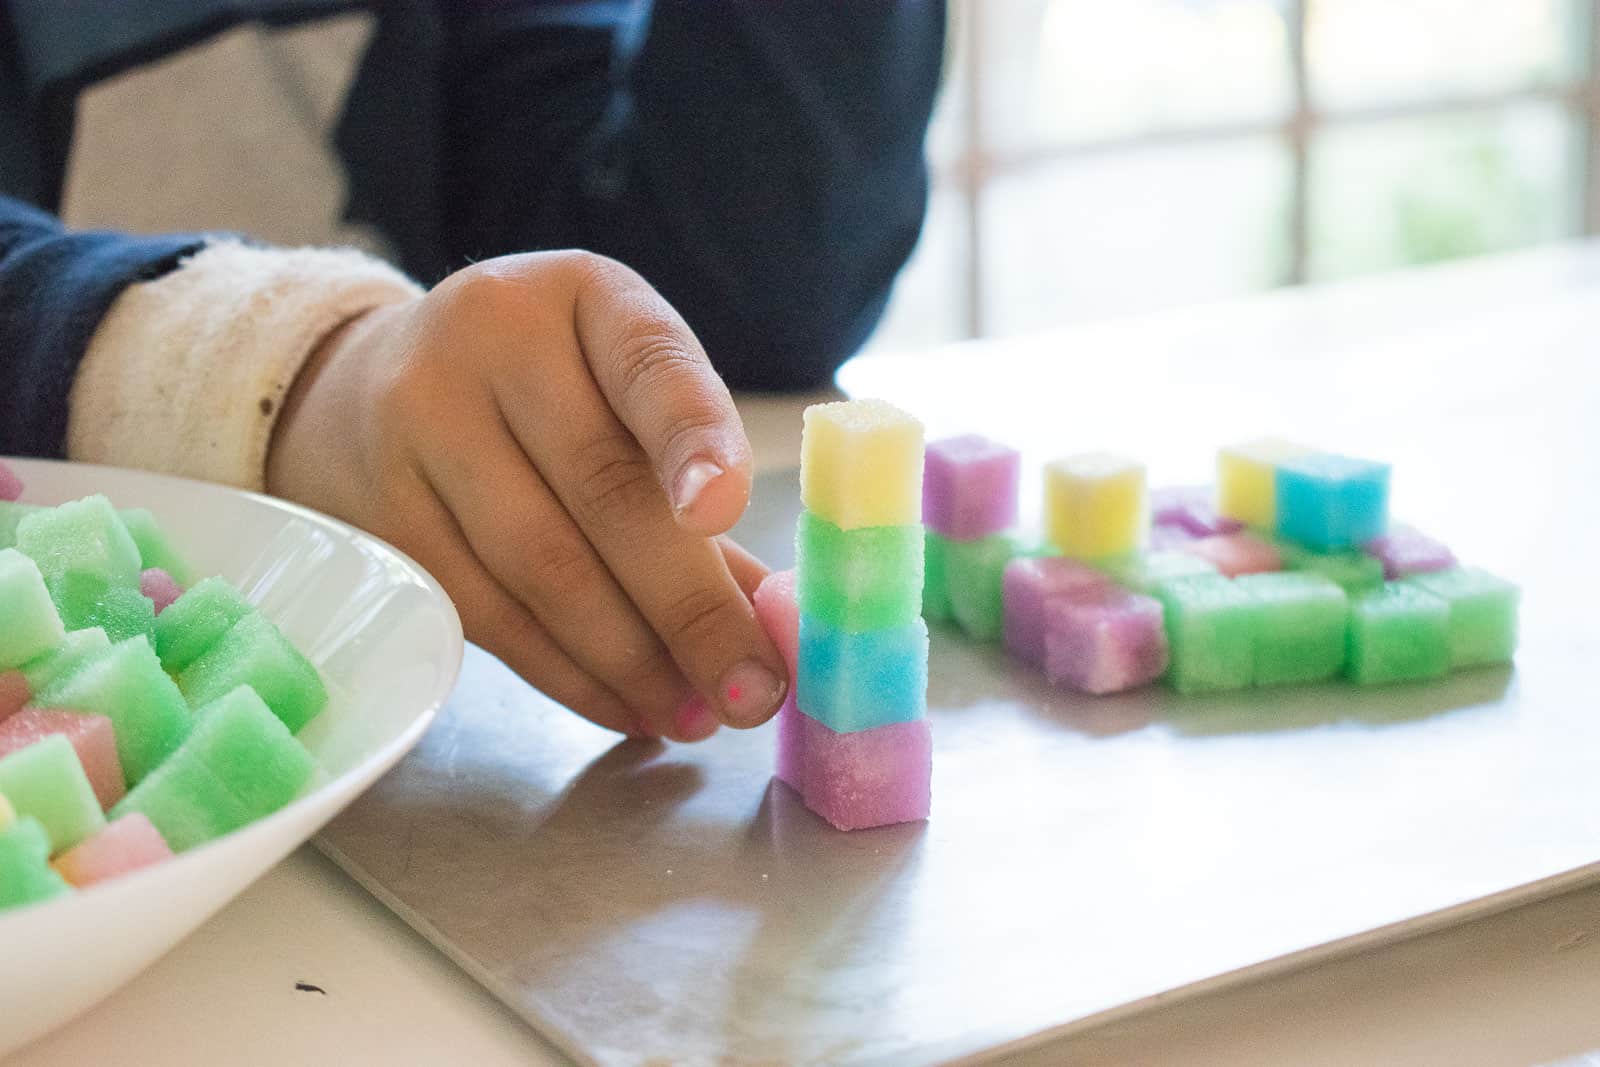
[1096, 158]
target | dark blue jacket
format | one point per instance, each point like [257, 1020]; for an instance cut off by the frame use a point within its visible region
[759, 161]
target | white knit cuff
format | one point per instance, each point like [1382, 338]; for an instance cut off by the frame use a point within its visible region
[187, 373]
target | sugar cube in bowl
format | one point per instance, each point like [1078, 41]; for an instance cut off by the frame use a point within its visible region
[384, 637]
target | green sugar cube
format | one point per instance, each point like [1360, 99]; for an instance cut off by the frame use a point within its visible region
[239, 738]
[1398, 632]
[74, 650]
[11, 515]
[88, 600]
[186, 801]
[1300, 630]
[935, 582]
[26, 876]
[196, 621]
[83, 537]
[254, 653]
[127, 685]
[974, 575]
[1211, 633]
[1141, 572]
[45, 780]
[155, 550]
[29, 625]
[1483, 614]
[867, 578]
[1354, 572]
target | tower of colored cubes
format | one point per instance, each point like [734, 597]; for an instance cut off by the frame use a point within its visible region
[969, 504]
[854, 741]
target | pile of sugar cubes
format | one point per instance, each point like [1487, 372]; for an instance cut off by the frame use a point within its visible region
[853, 736]
[137, 718]
[1287, 571]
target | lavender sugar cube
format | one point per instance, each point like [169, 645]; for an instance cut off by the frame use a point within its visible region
[969, 487]
[1192, 509]
[1028, 585]
[1405, 551]
[868, 778]
[1105, 642]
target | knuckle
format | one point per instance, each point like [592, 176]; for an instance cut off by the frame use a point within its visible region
[697, 615]
[618, 483]
[484, 291]
[651, 355]
[557, 571]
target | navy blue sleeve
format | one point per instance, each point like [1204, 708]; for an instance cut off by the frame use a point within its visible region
[55, 287]
[761, 164]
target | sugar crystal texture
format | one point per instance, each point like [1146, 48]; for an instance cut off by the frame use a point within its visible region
[161, 589]
[1030, 583]
[1095, 505]
[125, 845]
[855, 681]
[186, 801]
[196, 621]
[243, 743]
[10, 483]
[85, 537]
[1482, 614]
[29, 624]
[861, 464]
[1211, 633]
[974, 572]
[969, 487]
[253, 652]
[1329, 502]
[1300, 632]
[1247, 479]
[155, 550]
[1399, 632]
[11, 516]
[127, 685]
[1405, 551]
[1191, 509]
[780, 617]
[74, 650]
[1236, 554]
[46, 781]
[935, 578]
[91, 737]
[867, 578]
[1105, 642]
[14, 693]
[88, 601]
[867, 778]
[25, 873]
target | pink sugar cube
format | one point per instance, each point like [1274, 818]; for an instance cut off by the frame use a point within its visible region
[870, 777]
[92, 739]
[1191, 508]
[969, 487]
[125, 845]
[1105, 642]
[10, 484]
[1236, 554]
[160, 587]
[792, 745]
[1028, 584]
[1405, 550]
[779, 615]
[14, 693]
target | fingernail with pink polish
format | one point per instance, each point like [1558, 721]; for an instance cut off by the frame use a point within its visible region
[750, 692]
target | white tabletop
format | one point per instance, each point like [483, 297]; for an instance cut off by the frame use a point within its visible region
[1514, 988]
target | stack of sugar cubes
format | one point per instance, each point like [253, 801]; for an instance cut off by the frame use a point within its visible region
[853, 737]
[136, 720]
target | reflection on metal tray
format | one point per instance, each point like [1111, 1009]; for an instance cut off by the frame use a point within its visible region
[641, 904]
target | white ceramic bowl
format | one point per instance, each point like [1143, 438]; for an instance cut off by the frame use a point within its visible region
[384, 635]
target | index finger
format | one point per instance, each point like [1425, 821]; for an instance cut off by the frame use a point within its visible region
[656, 377]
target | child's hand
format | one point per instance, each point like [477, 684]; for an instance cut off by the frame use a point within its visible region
[544, 434]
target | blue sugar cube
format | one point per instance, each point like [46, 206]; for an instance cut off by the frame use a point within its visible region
[1332, 502]
[856, 681]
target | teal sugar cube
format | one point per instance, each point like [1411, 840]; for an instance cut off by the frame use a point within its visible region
[196, 621]
[127, 685]
[74, 650]
[974, 576]
[1399, 632]
[856, 681]
[155, 549]
[867, 578]
[1300, 628]
[1483, 614]
[253, 652]
[11, 516]
[26, 876]
[186, 801]
[46, 781]
[1328, 503]
[243, 743]
[29, 623]
[84, 537]
[87, 601]
[1142, 572]
[1211, 633]
[935, 581]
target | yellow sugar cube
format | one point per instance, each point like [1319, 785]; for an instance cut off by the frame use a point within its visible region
[8, 814]
[1246, 474]
[861, 464]
[1095, 505]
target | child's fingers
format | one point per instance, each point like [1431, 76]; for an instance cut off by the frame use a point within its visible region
[746, 569]
[519, 532]
[657, 379]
